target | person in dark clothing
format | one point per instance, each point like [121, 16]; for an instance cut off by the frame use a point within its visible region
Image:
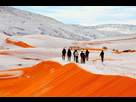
[63, 54]
[74, 55]
[81, 56]
[102, 55]
[69, 55]
[87, 54]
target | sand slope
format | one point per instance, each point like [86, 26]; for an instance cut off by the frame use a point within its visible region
[43, 72]
[51, 79]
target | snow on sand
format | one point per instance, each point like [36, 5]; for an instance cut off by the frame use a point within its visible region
[35, 55]
[49, 48]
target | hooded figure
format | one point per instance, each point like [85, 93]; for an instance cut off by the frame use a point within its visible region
[102, 55]
[87, 54]
[81, 56]
[63, 54]
[69, 54]
[76, 55]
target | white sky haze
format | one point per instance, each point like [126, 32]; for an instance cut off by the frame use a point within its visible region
[87, 15]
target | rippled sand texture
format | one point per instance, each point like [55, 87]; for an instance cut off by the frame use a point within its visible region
[51, 79]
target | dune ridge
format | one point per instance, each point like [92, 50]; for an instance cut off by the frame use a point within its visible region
[51, 79]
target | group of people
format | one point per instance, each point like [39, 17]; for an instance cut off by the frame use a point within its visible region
[84, 56]
[76, 55]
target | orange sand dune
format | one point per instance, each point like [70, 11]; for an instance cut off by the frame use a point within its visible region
[31, 59]
[19, 43]
[117, 52]
[99, 43]
[94, 59]
[93, 43]
[5, 53]
[52, 79]
[94, 49]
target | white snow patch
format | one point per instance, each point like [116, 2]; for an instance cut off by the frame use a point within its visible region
[11, 74]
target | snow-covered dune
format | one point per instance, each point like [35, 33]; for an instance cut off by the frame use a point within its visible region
[23, 51]
[45, 41]
[32, 66]
[120, 43]
[32, 41]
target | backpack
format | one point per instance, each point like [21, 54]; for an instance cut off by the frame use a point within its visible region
[76, 53]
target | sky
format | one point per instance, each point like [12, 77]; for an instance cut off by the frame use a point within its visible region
[86, 15]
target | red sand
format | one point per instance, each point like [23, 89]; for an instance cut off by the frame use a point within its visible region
[52, 79]
[31, 59]
[5, 53]
[94, 59]
[94, 49]
[117, 52]
[19, 43]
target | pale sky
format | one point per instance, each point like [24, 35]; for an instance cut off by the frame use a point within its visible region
[87, 15]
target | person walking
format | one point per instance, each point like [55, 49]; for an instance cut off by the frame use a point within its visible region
[87, 54]
[76, 55]
[102, 55]
[63, 53]
[83, 58]
[69, 54]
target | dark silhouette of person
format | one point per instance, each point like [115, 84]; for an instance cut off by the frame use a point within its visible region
[63, 54]
[69, 54]
[102, 55]
[87, 54]
[74, 55]
[81, 56]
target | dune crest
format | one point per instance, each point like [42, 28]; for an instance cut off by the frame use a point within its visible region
[50, 78]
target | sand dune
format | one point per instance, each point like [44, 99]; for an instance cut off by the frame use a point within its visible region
[18, 43]
[49, 78]
[56, 77]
